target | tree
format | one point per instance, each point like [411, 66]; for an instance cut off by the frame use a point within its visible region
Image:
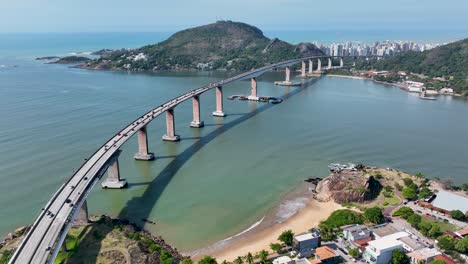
[409, 193]
[457, 214]
[354, 252]
[446, 242]
[404, 212]
[424, 192]
[249, 258]
[407, 181]
[263, 255]
[419, 175]
[276, 247]
[398, 257]
[239, 260]
[437, 261]
[434, 231]
[424, 227]
[287, 237]
[414, 220]
[462, 245]
[374, 215]
[207, 260]
[186, 261]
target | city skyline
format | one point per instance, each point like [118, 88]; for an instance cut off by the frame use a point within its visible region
[156, 16]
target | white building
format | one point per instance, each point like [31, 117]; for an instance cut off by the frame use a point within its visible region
[446, 90]
[379, 251]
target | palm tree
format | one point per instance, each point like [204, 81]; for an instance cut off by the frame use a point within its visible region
[249, 258]
[263, 256]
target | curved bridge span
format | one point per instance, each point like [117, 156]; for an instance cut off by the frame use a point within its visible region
[46, 236]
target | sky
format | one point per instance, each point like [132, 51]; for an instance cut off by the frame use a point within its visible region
[171, 15]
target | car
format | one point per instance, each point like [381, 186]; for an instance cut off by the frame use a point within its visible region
[428, 214]
[68, 201]
[419, 211]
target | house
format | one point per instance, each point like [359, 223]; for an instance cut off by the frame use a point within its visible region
[379, 251]
[462, 233]
[446, 90]
[288, 260]
[382, 230]
[362, 243]
[305, 243]
[283, 260]
[326, 255]
[356, 232]
[423, 256]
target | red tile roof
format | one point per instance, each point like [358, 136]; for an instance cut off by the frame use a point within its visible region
[462, 232]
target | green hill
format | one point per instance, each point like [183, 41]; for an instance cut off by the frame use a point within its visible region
[449, 61]
[221, 45]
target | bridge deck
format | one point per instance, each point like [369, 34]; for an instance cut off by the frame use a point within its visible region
[43, 241]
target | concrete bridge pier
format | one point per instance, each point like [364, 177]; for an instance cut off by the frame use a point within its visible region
[288, 74]
[196, 123]
[82, 217]
[143, 153]
[113, 180]
[253, 91]
[170, 127]
[219, 102]
[341, 62]
[311, 66]
[329, 63]
[303, 69]
[319, 65]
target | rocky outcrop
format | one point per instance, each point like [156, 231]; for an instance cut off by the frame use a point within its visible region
[348, 186]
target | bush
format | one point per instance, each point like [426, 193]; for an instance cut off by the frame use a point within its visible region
[276, 247]
[407, 181]
[343, 217]
[207, 260]
[374, 215]
[424, 192]
[398, 257]
[186, 261]
[424, 227]
[409, 193]
[354, 252]
[414, 220]
[398, 186]
[446, 242]
[457, 214]
[165, 257]
[434, 231]
[462, 245]
[404, 212]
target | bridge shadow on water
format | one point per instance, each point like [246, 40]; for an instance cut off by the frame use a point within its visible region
[157, 186]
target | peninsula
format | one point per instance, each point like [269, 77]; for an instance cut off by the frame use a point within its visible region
[224, 45]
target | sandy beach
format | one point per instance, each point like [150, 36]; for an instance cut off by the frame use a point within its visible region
[303, 220]
[310, 213]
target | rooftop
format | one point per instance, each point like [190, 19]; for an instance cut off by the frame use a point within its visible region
[383, 230]
[324, 252]
[388, 241]
[414, 244]
[446, 259]
[450, 201]
[424, 253]
[462, 232]
[306, 236]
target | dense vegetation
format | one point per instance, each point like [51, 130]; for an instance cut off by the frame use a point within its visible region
[431, 229]
[449, 61]
[336, 219]
[221, 45]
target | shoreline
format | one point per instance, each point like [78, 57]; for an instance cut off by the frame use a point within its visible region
[298, 211]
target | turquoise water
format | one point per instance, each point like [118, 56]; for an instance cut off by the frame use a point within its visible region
[219, 179]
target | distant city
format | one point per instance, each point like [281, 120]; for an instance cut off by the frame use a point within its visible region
[383, 48]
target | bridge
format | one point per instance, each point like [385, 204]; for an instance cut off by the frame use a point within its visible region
[68, 204]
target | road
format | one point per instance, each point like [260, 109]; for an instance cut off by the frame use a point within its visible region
[42, 242]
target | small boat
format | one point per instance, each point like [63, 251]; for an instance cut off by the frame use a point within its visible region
[427, 98]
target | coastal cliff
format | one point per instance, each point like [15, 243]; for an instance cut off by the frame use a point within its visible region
[348, 186]
[222, 45]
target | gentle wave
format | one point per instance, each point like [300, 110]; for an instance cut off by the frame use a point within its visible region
[246, 230]
[289, 208]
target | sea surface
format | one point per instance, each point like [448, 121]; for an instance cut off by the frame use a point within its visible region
[220, 179]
